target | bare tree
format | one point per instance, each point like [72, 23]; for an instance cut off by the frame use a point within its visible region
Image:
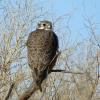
[76, 74]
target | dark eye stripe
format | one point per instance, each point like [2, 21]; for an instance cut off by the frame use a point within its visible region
[39, 24]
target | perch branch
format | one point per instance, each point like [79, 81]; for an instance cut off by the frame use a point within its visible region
[28, 93]
[33, 87]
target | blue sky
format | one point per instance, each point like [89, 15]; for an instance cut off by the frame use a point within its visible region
[78, 10]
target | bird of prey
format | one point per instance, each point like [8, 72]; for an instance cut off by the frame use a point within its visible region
[42, 47]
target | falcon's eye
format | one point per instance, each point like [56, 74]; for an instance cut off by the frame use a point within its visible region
[44, 24]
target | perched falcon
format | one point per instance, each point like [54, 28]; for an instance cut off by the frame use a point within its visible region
[42, 46]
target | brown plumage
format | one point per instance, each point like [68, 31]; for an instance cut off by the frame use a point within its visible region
[42, 45]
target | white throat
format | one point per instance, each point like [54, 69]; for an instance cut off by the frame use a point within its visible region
[41, 28]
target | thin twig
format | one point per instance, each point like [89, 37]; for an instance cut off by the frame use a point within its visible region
[98, 65]
[64, 71]
[9, 92]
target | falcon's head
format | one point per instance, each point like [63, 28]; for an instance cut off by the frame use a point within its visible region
[46, 25]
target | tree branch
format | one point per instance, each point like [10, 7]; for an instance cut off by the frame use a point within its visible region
[28, 93]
